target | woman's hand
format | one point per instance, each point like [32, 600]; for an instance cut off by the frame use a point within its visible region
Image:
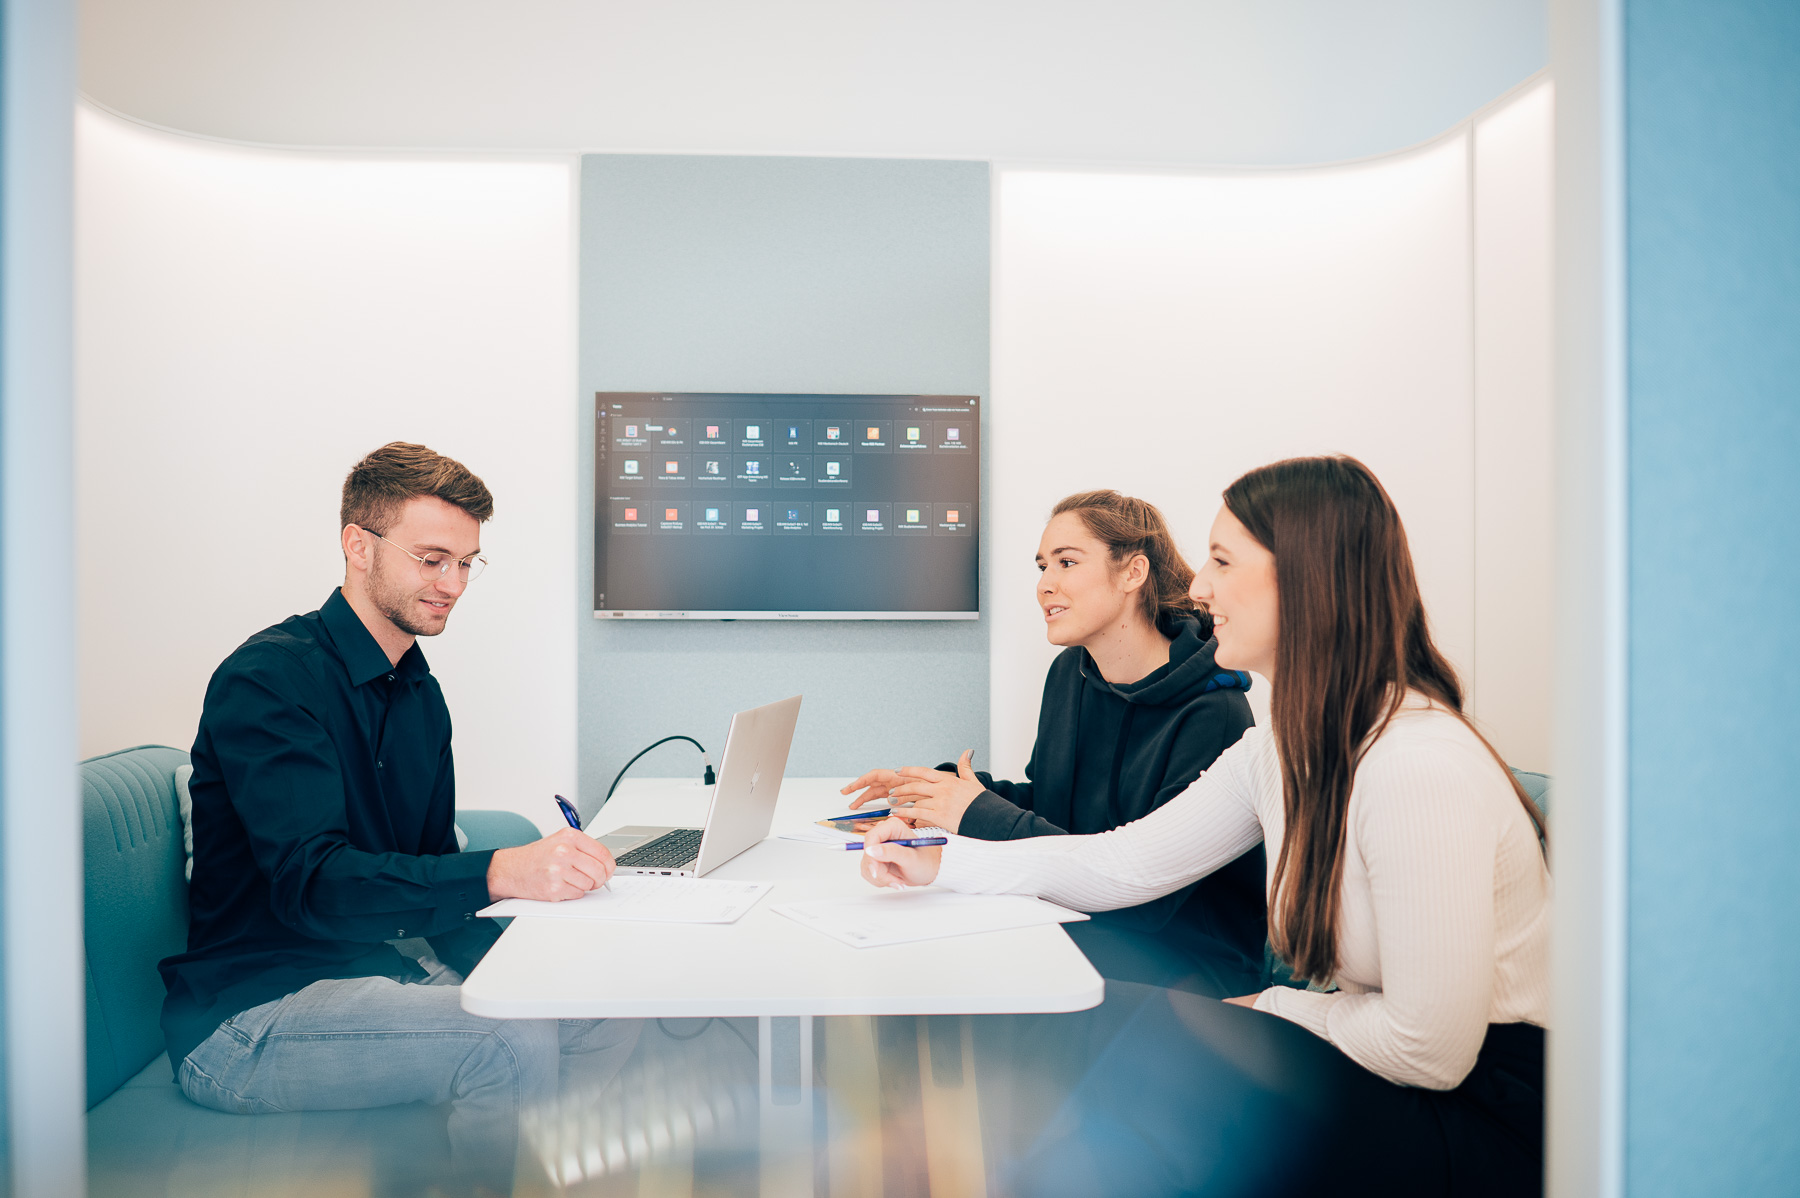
[938, 799]
[874, 785]
[1245, 1000]
[896, 865]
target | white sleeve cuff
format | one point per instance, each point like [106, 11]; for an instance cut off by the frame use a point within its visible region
[959, 868]
[1308, 1008]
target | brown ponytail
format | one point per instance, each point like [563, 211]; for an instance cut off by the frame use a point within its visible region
[1352, 641]
[1128, 527]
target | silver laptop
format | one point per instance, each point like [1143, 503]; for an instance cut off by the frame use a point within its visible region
[743, 801]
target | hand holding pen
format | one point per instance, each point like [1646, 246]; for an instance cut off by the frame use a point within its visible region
[890, 860]
[566, 864]
[569, 813]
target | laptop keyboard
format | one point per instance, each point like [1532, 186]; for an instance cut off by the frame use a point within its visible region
[671, 850]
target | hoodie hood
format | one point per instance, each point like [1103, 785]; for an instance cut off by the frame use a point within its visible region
[1191, 672]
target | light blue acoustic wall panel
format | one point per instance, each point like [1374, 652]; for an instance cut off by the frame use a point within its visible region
[1712, 300]
[790, 275]
[42, 1079]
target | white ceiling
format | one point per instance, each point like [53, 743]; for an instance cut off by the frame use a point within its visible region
[1178, 82]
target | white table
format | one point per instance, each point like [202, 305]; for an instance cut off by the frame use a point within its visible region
[765, 964]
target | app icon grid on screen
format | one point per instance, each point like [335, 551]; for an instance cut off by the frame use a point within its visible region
[650, 494]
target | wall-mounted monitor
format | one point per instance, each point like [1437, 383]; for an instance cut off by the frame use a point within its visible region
[786, 507]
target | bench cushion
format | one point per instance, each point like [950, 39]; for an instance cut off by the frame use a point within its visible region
[495, 829]
[136, 893]
[1537, 786]
[137, 910]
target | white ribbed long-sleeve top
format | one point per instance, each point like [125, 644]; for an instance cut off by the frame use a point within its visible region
[1445, 918]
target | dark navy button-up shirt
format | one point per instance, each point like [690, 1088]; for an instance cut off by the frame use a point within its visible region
[324, 809]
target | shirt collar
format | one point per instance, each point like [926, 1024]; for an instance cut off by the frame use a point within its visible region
[362, 656]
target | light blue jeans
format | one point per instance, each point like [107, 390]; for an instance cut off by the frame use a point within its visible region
[353, 1043]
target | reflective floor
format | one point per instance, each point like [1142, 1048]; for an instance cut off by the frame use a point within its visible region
[883, 1106]
[1153, 1092]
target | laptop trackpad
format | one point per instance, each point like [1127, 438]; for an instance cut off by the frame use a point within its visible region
[624, 839]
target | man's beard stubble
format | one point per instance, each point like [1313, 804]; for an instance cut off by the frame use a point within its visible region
[397, 604]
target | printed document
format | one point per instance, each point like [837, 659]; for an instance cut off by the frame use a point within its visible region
[646, 898]
[921, 913]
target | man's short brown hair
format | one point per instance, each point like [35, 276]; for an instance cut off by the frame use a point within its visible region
[388, 478]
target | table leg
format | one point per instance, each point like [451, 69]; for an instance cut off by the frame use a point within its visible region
[785, 1087]
[952, 1108]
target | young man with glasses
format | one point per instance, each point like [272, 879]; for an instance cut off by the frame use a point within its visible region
[324, 800]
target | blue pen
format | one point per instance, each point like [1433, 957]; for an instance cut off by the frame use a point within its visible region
[568, 812]
[918, 842]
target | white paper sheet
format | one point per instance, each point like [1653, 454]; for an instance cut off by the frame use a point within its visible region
[645, 898]
[814, 834]
[902, 916]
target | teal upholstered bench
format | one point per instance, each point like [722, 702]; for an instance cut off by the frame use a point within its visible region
[1537, 786]
[144, 1136]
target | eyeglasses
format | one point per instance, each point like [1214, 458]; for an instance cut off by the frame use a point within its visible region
[434, 566]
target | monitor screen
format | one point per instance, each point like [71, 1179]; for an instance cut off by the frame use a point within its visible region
[825, 507]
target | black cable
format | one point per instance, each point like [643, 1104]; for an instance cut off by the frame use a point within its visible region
[708, 777]
[734, 1030]
[664, 1029]
[729, 1026]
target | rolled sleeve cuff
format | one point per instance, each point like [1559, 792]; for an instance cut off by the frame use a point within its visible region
[1308, 1008]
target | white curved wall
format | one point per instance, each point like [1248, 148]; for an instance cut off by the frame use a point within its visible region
[1162, 333]
[1514, 502]
[251, 322]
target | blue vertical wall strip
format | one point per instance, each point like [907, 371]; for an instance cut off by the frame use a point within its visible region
[40, 810]
[795, 275]
[1712, 176]
[6, 1187]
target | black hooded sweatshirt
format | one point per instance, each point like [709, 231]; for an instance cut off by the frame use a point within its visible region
[1108, 754]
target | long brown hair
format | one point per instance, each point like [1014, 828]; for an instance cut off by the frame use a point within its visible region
[1352, 640]
[1128, 527]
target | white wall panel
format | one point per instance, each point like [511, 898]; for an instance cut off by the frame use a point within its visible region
[249, 324]
[1164, 333]
[1513, 416]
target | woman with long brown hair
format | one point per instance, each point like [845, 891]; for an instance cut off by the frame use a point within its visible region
[1134, 709]
[1408, 885]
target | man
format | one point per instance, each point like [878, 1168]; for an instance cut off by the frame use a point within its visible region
[323, 808]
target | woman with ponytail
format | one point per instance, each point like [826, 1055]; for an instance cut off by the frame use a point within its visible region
[1134, 709]
[1409, 887]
